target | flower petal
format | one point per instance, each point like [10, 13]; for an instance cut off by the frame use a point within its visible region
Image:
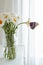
[0, 21]
[33, 24]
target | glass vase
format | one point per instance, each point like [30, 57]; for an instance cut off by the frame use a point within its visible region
[10, 52]
[19, 59]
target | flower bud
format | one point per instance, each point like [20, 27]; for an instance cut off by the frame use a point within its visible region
[33, 25]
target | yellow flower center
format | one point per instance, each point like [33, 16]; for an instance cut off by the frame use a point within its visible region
[6, 16]
[14, 19]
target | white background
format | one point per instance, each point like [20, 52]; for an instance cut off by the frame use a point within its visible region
[32, 39]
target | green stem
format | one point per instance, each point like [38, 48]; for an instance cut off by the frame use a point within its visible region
[27, 23]
[10, 49]
[21, 23]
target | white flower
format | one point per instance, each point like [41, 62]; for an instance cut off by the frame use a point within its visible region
[9, 17]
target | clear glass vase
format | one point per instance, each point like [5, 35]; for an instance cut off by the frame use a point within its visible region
[19, 59]
[9, 51]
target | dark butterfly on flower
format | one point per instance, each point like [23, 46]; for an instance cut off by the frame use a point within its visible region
[33, 25]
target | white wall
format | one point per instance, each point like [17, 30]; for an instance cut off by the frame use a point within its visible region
[9, 6]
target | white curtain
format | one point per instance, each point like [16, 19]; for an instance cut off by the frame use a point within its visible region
[39, 32]
[35, 53]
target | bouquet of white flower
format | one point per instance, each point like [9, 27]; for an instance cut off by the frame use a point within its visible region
[8, 23]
